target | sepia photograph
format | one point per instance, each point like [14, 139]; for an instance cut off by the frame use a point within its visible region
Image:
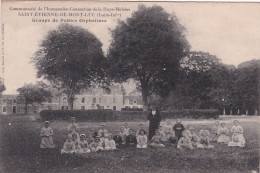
[124, 87]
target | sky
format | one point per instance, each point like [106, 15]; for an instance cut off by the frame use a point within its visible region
[231, 31]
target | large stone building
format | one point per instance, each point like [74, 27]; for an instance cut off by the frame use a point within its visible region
[93, 98]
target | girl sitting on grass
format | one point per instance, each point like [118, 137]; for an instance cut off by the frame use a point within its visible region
[96, 145]
[168, 129]
[141, 139]
[102, 133]
[185, 142]
[69, 146]
[237, 135]
[178, 128]
[195, 140]
[156, 140]
[187, 130]
[141, 127]
[214, 132]
[90, 138]
[223, 134]
[204, 141]
[83, 145]
[126, 129]
[204, 129]
[73, 127]
[110, 143]
[131, 139]
[162, 133]
[118, 139]
[123, 135]
[46, 136]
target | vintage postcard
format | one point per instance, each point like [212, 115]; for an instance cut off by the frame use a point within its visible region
[129, 87]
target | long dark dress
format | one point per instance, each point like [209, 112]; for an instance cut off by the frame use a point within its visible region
[154, 123]
[178, 128]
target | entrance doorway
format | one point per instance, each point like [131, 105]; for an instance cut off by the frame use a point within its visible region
[14, 109]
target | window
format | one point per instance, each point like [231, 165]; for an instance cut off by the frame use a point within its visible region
[64, 108]
[83, 100]
[135, 101]
[82, 107]
[114, 100]
[49, 107]
[4, 101]
[114, 107]
[101, 107]
[14, 101]
[94, 100]
[4, 108]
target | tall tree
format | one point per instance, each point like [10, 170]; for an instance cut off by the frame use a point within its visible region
[31, 94]
[2, 86]
[72, 58]
[147, 48]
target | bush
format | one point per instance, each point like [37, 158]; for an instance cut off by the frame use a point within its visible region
[131, 109]
[110, 115]
[191, 113]
[80, 115]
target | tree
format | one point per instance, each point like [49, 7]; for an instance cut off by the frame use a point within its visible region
[31, 94]
[147, 48]
[71, 58]
[2, 86]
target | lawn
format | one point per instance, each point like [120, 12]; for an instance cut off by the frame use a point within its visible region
[20, 151]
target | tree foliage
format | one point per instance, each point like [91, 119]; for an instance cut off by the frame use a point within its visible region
[71, 58]
[30, 94]
[147, 48]
[2, 86]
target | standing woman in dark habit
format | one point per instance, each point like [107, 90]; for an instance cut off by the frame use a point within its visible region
[155, 118]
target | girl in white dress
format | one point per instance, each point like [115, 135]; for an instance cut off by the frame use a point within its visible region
[223, 134]
[46, 135]
[237, 135]
[214, 132]
[83, 145]
[73, 127]
[69, 146]
[110, 143]
[141, 139]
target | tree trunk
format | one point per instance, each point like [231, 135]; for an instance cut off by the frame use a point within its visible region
[70, 102]
[145, 95]
[25, 108]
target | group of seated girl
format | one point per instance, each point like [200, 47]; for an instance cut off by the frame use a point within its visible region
[178, 136]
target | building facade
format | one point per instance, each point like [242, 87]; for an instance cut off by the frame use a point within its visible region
[93, 98]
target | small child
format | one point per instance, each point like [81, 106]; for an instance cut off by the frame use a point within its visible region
[90, 138]
[131, 140]
[46, 135]
[76, 141]
[195, 140]
[223, 134]
[118, 139]
[204, 141]
[126, 129]
[204, 129]
[141, 127]
[69, 146]
[96, 145]
[102, 133]
[214, 132]
[141, 139]
[73, 127]
[237, 140]
[94, 132]
[178, 128]
[156, 140]
[110, 143]
[122, 134]
[188, 130]
[185, 142]
[168, 129]
[237, 135]
[83, 145]
[162, 133]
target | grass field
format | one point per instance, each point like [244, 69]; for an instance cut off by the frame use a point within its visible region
[20, 151]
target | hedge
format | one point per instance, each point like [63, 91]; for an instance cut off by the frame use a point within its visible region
[110, 115]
